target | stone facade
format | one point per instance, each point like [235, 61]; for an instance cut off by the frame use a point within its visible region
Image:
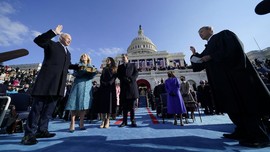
[153, 65]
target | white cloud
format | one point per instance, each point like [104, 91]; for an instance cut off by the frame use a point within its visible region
[108, 51]
[6, 8]
[11, 32]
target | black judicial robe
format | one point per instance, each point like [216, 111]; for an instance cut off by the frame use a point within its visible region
[236, 86]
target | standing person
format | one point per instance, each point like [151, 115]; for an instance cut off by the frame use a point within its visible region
[175, 102]
[107, 102]
[127, 74]
[80, 97]
[204, 97]
[66, 113]
[158, 90]
[25, 89]
[118, 90]
[236, 86]
[49, 85]
[93, 111]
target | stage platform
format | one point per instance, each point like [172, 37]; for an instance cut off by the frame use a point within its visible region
[151, 135]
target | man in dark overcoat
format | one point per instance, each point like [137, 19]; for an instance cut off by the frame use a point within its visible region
[49, 85]
[127, 74]
[236, 86]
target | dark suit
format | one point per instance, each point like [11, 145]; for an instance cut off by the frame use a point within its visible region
[236, 86]
[50, 83]
[129, 89]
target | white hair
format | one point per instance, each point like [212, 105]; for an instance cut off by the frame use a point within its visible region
[63, 35]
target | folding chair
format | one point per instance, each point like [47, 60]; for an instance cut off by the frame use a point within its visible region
[4, 104]
[197, 108]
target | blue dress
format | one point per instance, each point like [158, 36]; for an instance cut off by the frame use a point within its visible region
[175, 102]
[81, 95]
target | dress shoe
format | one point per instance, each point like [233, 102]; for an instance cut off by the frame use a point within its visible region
[255, 143]
[123, 124]
[102, 124]
[107, 123]
[71, 131]
[133, 124]
[44, 134]
[83, 128]
[234, 135]
[29, 140]
[175, 122]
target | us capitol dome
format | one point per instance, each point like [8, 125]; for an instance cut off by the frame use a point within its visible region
[144, 54]
[141, 44]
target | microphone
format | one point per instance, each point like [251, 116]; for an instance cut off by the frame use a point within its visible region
[9, 55]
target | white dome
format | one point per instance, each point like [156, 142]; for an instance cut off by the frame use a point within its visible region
[141, 44]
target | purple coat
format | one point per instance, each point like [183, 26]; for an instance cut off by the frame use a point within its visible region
[175, 102]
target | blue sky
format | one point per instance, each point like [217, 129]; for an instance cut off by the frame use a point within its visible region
[105, 28]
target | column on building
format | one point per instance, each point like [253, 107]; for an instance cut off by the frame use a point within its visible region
[164, 62]
[145, 64]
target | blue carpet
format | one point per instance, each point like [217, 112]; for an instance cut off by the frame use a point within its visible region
[205, 136]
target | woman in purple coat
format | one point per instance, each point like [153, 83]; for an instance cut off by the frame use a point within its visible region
[175, 102]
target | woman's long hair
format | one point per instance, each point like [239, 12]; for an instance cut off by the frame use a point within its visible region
[88, 58]
[171, 74]
[112, 65]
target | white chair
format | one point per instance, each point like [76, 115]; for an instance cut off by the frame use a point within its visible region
[4, 104]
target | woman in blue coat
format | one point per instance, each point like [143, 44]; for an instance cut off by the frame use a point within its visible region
[80, 98]
[175, 102]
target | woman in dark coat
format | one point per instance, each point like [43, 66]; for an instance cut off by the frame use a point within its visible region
[107, 90]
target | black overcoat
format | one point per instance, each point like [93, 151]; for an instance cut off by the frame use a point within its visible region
[51, 78]
[107, 91]
[236, 85]
[128, 81]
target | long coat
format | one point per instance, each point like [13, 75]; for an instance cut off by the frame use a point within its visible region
[188, 98]
[107, 100]
[127, 76]
[175, 102]
[236, 86]
[81, 95]
[51, 78]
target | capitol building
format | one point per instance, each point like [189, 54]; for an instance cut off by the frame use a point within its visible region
[153, 65]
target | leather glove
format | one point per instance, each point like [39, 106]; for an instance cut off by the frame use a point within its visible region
[127, 79]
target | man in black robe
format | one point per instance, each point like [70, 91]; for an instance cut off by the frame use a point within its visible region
[237, 87]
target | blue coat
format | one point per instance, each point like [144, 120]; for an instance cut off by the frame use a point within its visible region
[81, 96]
